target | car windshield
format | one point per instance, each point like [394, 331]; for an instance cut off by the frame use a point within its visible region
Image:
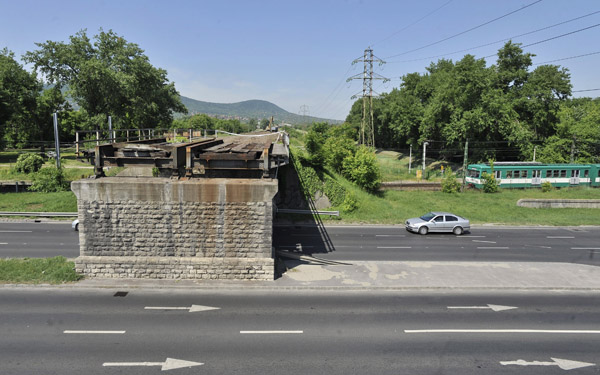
[428, 216]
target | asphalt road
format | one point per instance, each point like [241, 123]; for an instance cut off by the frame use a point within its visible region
[360, 243]
[56, 331]
[38, 240]
[483, 244]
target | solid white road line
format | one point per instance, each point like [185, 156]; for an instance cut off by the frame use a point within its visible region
[16, 231]
[394, 247]
[3, 243]
[557, 331]
[484, 241]
[390, 235]
[585, 248]
[97, 332]
[560, 237]
[491, 247]
[268, 332]
[473, 236]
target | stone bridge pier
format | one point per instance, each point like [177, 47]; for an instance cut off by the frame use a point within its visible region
[163, 228]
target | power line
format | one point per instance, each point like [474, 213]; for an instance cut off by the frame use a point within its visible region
[567, 58]
[555, 37]
[466, 31]
[412, 24]
[499, 41]
[586, 90]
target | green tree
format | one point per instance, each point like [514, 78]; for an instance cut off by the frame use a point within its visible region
[19, 91]
[315, 141]
[338, 149]
[362, 168]
[109, 76]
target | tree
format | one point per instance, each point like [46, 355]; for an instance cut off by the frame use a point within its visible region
[362, 168]
[109, 76]
[314, 142]
[19, 91]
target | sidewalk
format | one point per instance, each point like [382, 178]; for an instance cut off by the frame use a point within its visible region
[388, 276]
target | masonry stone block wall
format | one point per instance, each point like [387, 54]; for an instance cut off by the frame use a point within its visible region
[171, 229]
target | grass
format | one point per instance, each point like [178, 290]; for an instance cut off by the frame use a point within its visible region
[64, 201]
[394, 207]
[55, 270]
[73, 169]
[394, 167]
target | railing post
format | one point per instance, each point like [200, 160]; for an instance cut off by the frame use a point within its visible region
[77, 143]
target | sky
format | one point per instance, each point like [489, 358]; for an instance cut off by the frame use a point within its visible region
[299, 54]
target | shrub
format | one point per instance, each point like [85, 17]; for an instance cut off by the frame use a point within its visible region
[314, 141]
[362, 169]
[339, 148]
[490, 185]
[546, 186]
[49, 180]
[155, 172]
[449, 183]
[29, 163]
[350, 203]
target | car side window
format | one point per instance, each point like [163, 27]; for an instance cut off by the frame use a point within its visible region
[451, 218]
[439, 219]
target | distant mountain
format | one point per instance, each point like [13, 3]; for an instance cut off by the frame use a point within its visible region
[258, 109]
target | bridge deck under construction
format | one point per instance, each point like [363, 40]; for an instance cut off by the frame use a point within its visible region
[253, 155]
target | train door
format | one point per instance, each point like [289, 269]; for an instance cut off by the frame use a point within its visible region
[574, 180]
[536, 177]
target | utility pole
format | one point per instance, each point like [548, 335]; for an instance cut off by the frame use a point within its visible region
[424, 153]
[409, 159]
[56, 140]
[367, 126]
[465, 164]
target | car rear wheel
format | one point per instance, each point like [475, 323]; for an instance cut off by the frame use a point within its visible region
[458, 231]
[423, 230]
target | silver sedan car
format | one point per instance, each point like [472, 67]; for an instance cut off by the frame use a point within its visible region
[438, 222]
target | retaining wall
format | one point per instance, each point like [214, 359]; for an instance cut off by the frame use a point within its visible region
[559, 203]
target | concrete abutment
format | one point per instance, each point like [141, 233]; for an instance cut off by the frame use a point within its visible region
[162, 228]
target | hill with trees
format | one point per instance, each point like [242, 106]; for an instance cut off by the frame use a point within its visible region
[246, 110]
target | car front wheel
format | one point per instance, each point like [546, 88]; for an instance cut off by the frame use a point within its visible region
[423, 230]
[458, 231]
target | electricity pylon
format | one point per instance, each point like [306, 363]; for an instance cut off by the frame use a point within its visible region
[367, 126]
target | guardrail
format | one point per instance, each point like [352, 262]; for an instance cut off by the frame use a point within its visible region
[307, 212]
[40, 214]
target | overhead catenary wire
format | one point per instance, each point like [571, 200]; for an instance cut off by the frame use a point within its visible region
[466, 31]
[412, 24]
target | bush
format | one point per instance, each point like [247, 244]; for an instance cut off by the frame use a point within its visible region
[362, 169]
[339, 148]
[49, 180]
[449, 183]
[546, 186]
[350, 203]
[29, 163]
[490, 185]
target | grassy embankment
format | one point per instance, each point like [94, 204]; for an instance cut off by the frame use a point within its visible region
[394, 207]
[55, 270]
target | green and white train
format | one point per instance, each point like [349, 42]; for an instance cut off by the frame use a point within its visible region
[533, 174]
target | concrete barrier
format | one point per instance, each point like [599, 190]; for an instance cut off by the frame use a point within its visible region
[559, 203]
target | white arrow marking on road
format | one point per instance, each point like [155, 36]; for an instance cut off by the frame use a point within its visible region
[169, 364]
[490, 307]
[564, 364]
[193, 308]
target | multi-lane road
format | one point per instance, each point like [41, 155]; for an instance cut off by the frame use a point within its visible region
[57, 331]
[361, 243]
[76, 330]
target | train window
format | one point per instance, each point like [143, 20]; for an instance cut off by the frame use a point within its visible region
[473, 173]
[586, 174]
[548, 173]
[563, 173]
[555, 173]
[509, 174]
[524, 174]
[498, 174]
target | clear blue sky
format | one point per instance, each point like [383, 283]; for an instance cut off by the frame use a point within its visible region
[295, 53]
